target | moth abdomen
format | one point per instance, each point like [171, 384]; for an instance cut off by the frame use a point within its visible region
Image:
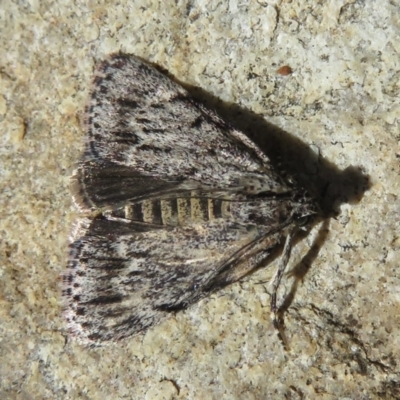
[177, 211]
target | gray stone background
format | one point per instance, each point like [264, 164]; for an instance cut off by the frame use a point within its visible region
[334, 121]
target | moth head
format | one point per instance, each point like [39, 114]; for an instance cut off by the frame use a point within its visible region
[306, 209]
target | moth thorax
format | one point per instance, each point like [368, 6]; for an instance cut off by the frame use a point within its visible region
[177, 211]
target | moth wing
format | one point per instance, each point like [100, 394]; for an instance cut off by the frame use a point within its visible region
[119, 281]
[146, 137]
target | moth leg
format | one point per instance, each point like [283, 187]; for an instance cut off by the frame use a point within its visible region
[275, 286]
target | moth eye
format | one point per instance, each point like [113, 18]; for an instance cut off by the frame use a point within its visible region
[251, 228]
[302, 221]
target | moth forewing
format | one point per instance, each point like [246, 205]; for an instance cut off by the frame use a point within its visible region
[181, 205]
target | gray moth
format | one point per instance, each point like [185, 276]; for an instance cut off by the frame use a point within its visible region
[174, 204]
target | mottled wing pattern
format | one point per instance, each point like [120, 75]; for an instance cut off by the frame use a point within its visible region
[119, 284]
[147, 130]
[148, 141]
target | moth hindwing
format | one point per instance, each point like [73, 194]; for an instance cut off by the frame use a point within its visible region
[175, 204]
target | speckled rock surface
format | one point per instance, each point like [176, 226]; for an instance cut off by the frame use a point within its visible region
[335, 121]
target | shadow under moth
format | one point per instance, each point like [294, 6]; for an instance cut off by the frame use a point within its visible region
[175, 203]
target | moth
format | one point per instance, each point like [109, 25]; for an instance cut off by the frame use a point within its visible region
[175, 204]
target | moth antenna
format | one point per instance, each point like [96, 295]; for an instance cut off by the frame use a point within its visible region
[275, 314]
